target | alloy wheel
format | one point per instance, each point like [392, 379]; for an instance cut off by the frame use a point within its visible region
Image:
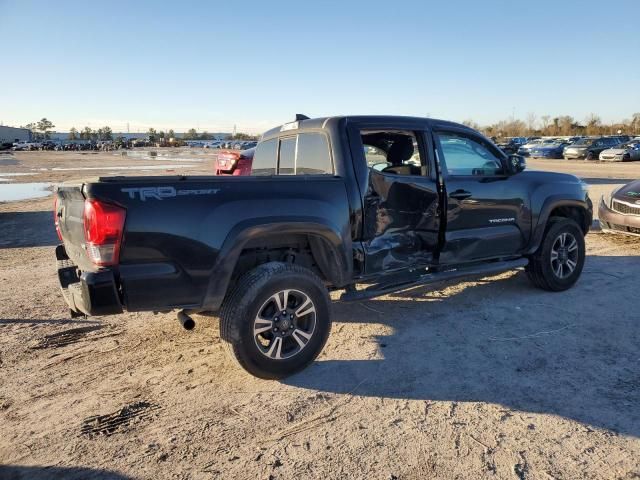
[284, 324]
[564, 255]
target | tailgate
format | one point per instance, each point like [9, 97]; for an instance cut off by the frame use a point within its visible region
[69, 215]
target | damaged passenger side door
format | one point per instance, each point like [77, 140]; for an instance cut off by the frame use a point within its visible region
[401, 214]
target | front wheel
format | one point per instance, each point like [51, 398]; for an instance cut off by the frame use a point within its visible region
[276, 320]
[558, 263]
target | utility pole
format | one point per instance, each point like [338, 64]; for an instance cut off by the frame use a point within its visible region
[128, 127]
[234, 130]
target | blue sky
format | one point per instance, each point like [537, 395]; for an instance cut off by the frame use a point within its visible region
[210, 65]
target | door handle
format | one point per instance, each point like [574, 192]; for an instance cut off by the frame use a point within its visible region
[460, 194]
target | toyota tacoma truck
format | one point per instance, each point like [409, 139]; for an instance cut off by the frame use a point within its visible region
[362, 205]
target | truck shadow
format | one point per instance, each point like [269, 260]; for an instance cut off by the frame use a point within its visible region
[27, 229]
[15, 472]
[572, 354]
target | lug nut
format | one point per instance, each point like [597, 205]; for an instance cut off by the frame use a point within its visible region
[284, 312]
[290, 327]
[291, 316]
[275, 329]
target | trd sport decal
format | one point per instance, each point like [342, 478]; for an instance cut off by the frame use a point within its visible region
[158, 193]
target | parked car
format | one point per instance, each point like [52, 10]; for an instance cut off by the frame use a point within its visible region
[235, 163]
[619, 211]
[265, 252]
[548, 149]
[589, 148]
[625, 152]
[25, 145]
[512, 144]
[525, 149]
[622, 138]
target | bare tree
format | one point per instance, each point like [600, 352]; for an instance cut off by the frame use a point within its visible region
[594, 124]
[545, 119]
[531, 122]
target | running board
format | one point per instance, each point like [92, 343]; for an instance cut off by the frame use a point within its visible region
[481, 269]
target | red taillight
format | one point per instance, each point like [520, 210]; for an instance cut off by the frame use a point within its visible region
[56, 218]
[103, 228]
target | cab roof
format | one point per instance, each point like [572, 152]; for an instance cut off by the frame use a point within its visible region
[322, 123]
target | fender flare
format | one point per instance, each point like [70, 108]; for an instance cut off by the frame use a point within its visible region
[548, 206]
[330, 248]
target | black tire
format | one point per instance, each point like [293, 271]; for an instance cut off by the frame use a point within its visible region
[542, 269]
[254, 295]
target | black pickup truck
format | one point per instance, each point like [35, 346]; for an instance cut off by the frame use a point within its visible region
[363, 204]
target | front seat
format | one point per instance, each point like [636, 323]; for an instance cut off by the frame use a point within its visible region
[400, 151]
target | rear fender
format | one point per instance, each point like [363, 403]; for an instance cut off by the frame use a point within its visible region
[329, 246]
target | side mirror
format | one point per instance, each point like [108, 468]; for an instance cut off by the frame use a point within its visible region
[516, 164]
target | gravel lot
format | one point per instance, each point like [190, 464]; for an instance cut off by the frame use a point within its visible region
[482, 379]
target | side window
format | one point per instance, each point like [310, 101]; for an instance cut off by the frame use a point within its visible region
[265, 158]
[287, 163]
[392, 152]
[599, 143]
[466, 156]
[313, 156]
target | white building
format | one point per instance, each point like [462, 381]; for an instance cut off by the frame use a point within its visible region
[11, 134]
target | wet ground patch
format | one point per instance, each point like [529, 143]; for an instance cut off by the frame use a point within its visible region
[23, 191]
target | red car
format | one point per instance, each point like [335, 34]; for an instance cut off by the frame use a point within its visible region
[235, 163]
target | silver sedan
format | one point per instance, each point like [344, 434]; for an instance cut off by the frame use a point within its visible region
[626, 152]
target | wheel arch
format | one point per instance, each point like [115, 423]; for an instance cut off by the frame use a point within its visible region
[329, 247]
[576, 210]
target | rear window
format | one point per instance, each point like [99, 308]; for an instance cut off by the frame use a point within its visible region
[265, 158]
[304, 154]
[313, 155]
[287, 164]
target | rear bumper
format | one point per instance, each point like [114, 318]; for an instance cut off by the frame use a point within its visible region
[613, 221]
[87, 293]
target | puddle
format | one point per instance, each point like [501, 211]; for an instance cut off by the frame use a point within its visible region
[23, 191]
[16, 174]
[4, 180]
[5, 160]
[125, 167]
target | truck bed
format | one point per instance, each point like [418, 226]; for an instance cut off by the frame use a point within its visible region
[183, 234]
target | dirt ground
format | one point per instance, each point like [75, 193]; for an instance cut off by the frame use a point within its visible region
[488, 378]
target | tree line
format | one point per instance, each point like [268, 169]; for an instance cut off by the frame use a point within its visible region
[563, 125]
[42, 129]
[101, 134]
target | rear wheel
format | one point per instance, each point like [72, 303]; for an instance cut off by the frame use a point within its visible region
[276, 320]
[558, 263]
